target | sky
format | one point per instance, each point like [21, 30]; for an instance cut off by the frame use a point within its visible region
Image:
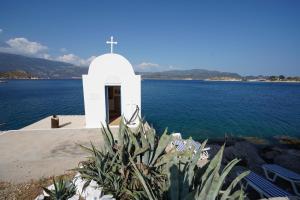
[249, 37]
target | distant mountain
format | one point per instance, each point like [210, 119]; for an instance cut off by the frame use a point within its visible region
[193, 74]
[12, 66]
[38, 67]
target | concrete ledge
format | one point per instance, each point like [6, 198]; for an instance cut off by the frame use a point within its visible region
[65, 122]
[33, 154]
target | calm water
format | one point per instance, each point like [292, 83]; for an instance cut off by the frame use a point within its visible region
[197, 108]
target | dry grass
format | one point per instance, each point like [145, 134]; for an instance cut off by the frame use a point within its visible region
[29, 190]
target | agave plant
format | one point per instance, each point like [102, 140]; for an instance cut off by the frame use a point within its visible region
[135, 165]
[63, 190]
[129, 166]
[192, 182]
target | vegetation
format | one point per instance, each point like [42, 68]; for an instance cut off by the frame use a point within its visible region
[63, 190]
[194, 74]
[15, 75]
[283, 78]
[136, 166]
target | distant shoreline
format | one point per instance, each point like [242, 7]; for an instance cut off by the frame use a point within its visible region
[255, 81]
[3, 80]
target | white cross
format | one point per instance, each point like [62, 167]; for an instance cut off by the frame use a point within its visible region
[111, 42]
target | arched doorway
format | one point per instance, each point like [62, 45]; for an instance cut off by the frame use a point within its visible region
[113, 104]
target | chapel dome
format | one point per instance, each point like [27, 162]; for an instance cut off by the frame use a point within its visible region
[111, 63]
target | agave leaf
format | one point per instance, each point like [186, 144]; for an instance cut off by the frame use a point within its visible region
[134, 142]
[239, 194]
[145, 145]
[190, 175]
[140, 151]
[203, 190]
[129, 146]
[108, 140]
[214, 163]
[162, 144]
[88, 177]
[134, 195]
[121, 132]
[106, 133]
[87, 183]
[211, 174]
[150, 134]
[113, 161]
[55, 186]
[139, 175]
[140, 128]
[242, 195]
[219, 180]
[166, 158]
[87, 149]
[190, 195]
[62, 190]
[231, 164]
[232, 185]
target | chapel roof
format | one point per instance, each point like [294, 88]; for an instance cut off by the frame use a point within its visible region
[111, 63]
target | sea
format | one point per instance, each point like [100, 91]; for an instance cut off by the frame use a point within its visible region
[201, 109]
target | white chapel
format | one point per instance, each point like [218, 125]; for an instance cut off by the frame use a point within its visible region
[111, 90]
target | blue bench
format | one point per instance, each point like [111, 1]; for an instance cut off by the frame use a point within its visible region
[264, 187]
[283, 173]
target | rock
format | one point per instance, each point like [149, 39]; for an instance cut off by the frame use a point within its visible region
[270, 155]
[247, 153]
[214, 148]
[79, 183]
[107, 197]
[256, 140]
[294, 152]
[288, 140]
[40, 197]
[92, 192]
[50, 187]
[289, 160]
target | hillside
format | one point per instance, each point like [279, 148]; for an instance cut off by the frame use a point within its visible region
[39, 67]
[15, 75]
[194, 74]
[12, 64]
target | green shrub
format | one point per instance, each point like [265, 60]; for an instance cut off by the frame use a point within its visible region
[63, 190]
[136, 166]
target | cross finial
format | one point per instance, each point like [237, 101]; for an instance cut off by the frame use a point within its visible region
[111, 42]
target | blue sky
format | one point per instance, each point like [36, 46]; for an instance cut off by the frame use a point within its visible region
[247, 37]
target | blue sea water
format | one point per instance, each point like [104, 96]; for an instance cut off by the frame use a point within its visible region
[200, 109]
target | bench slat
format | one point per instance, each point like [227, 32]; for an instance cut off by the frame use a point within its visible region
[266, 186]
[282, 171]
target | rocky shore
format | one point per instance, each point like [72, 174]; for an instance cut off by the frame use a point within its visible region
[254, 152]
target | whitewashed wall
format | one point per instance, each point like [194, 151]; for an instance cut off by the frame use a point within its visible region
[106, 70]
